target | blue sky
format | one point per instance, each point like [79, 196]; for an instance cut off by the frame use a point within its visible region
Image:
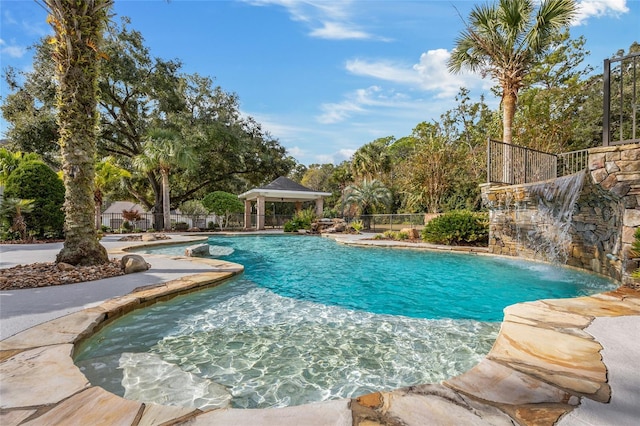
[323, 77]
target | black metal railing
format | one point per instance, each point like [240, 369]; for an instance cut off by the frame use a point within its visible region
[621, 104]
[512, 165]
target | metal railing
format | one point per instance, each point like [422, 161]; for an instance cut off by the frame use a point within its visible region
[572, 162]
[513, 165]
[621, 103]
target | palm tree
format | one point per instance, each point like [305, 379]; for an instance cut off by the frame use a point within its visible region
[78, 28]
[108, 175]
[372, 160]
[162, 152]
[12, 209]
[505, 40]
[367, 196]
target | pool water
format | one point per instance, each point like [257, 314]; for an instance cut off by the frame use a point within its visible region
[312, 320]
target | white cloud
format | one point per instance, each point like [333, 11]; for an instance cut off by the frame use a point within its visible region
[334, 158]
[12, 50]
[429, 74]
[327, 20]
[296, 152]
[338, 31]
[599, 8]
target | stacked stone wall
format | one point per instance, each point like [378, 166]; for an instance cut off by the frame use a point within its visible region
[604, 216]
[617, 170]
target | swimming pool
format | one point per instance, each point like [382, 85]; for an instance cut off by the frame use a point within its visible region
[311, 320]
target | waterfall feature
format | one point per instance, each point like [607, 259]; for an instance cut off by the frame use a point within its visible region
[551, 236]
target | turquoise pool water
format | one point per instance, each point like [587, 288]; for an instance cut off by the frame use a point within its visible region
[312, 320]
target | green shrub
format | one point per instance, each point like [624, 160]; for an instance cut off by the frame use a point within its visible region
[181, 226]
[402, 236]
[458, 227]
[301, 220]
[36, 181]
[391, 235]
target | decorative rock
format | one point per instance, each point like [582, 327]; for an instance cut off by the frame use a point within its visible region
[413, 233]
[193, 229]
[198, 250]
[65, 267]
[148, 237]
[133, 263]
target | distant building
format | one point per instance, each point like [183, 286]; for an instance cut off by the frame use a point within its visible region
[112, 216]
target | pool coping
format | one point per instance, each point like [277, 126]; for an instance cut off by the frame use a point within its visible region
[541, 365]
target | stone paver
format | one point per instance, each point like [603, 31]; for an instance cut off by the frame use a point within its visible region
[544, 363]
[94, 406]
[39, 376]
[329, 413]
[492, 381]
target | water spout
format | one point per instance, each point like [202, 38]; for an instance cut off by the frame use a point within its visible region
[551, 237]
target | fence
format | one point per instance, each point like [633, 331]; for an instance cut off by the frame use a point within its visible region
[181, 222]
[621, 100]
[512, 165]
[393, 222]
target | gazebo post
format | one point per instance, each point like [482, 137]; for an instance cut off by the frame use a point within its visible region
[261, 213]
[298, 206]
[247, 214]
[319, 206]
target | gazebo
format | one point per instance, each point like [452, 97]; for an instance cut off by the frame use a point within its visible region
[281, 190]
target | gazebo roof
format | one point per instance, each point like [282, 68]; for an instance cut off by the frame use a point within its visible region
[284, 190]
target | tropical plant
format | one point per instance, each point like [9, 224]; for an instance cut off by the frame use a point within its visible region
[78, 28]
[428, 174]
[505, 40]
[223, 205]
[108, 175]
[34, 180]
[12, 210]
[368, 196]
[357, 226]
[457, 227]
[302, 219]
[373, 160]
[162, 152]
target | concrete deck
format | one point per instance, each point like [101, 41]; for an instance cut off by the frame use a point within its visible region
[562, 361]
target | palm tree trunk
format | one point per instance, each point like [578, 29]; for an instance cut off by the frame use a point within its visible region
[78, 30]
[508, 112]
[166, 209]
